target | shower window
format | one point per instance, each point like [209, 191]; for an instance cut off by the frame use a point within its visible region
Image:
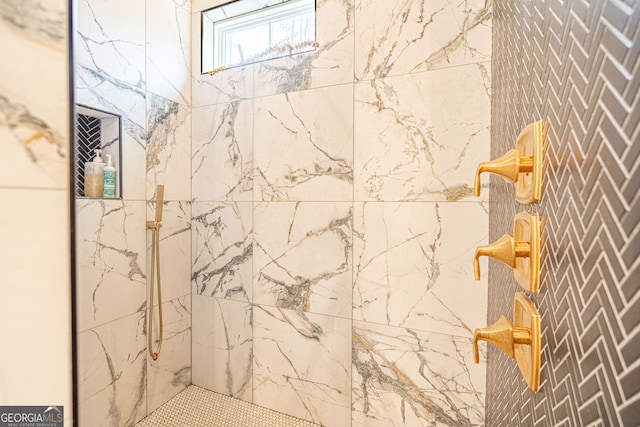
[247, 31]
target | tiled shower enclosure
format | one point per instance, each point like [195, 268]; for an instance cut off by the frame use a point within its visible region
[319, 218]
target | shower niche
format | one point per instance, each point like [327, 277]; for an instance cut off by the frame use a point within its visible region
[97, 131]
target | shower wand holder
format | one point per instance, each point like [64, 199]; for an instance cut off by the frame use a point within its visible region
[153, 225]
[521, 166]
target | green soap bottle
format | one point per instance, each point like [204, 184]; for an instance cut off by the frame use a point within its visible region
[109, 186]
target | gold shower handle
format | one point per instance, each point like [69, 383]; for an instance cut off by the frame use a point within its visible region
[503, 335]
[521, 341]
[505, 249]
[521, 166]
[509, 166]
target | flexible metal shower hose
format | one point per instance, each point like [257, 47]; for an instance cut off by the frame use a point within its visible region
[155, 266]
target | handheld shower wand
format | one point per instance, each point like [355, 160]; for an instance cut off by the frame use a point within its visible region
[155, 268]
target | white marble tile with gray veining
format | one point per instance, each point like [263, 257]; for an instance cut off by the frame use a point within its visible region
[33, 112]
[302, 256]
[421, 136]
[231, 85]
[168, 54]
[223, 346]
[404, 377]
[413, 265]
[222, 250]
[43, 19]
[175, 249]
[330, 64]
[111, 260]
[407, 36]
[171, 372]
[168, 152]
[304, 149]
[185, 4]
[35, 52]
[103, 92]
[112, 373]
[110, 39]
[222, 158]
[34, 153]
[302, 364]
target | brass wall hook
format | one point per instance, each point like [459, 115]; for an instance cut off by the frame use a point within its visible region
[521, 341]
[520, 252]
[522, 165]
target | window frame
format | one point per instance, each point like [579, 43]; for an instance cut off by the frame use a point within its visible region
[214, 31]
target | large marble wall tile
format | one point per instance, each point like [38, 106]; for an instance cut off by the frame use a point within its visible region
[303, 145]
[185, 4]
[400, 37]
[222, 250]
[223, 346]
[302, 258]
[110, 259]
[175, 249]
[330, 64]
[42, 19]
[302, 364]
[404, 377]
[230, 85]
[111, 39]
[33, 110]
[105, 93]
[168, 30]
[171, 372]
[168, 148]
[222, 159]
[34, 153]
[421, 136]
[35, 308]
[413, 265]
[35, 42]
[112, 373]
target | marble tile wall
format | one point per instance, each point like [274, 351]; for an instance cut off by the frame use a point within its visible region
[133, 60]
[333, 214]
[35, 287]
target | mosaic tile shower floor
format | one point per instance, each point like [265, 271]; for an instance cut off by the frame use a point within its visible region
[198, 407]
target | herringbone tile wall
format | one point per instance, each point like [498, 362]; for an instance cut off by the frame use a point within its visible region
[574, 64]
[87, 140]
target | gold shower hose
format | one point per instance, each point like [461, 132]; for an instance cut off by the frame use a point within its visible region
[155, 268]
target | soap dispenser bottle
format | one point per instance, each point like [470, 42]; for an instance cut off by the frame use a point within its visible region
[93, 176]
[109, 187]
